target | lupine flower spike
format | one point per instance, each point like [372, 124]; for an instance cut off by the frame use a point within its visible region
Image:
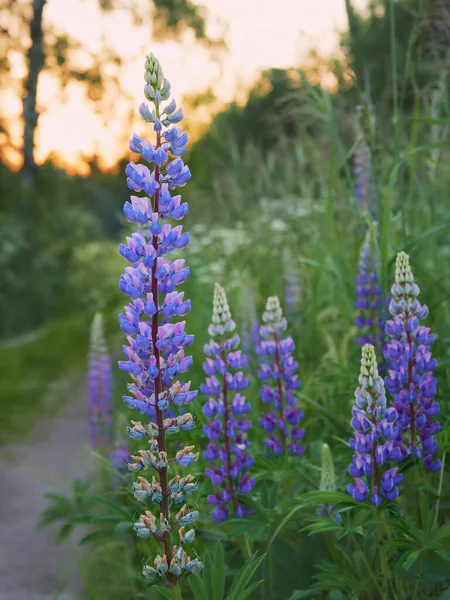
[375, 434]
[410, 378]
[365, 191]
[99, 387]
[328, 480]
[226, 409]
[120, 455]
[369, 302]
[278, 368]
[156, 352]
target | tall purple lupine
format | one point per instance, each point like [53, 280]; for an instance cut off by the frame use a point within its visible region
[278, 368]
[369, 303]
[364, 192]
[410, 378]
[226, 410]
[156, 352]
[375, 433]
[99, 387]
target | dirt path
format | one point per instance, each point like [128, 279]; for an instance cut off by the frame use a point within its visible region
[32, 565]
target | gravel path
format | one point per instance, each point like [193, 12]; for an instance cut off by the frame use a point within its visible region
[32, 565]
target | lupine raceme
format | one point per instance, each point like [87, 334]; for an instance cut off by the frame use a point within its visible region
[99, 387]
[375, 432]
[278, 373]
[226, 409]
[328, 481]
[369, 302]
[410, 378]
[365, 191]
[156, 346]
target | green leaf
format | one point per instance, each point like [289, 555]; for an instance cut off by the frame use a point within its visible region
[208, 572]
[123, 527]
[284, 521]
[256, 507]
[244, 575]
[442, 534]
[254, 529]
[319, 497]
[341, 507]
[407, 559]
[218, 582]
[303, 595]
[323, 526]
[198, 587]
[347, 531]
[246, 593]
[122, 511]
[163, 591]
[94, 535]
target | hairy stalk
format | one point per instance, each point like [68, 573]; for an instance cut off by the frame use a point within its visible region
[280, 389]
[226, 436]
[162, 472]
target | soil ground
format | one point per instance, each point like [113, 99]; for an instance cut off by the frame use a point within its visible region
[33, 566]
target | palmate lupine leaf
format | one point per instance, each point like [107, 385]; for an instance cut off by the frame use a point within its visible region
[335, 577]
[240, 583]
[210, 585]
[254, 530]
[218, 578]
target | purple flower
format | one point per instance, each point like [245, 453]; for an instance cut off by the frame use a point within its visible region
[278, 372]
[155, 352]
[369, 303]
[365, 190]
[99, 387]
[410, 377]
[375, 430]
[120, 456]
[225, 409]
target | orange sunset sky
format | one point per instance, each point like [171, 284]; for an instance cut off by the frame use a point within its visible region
[259, 34]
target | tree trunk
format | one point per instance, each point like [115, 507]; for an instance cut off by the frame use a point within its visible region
[35, 63]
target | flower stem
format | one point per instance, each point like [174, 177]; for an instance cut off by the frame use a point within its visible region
[439, 492]
[280, 390]
[175, 593]
[163, 475]
[232, 489]
[245, 546]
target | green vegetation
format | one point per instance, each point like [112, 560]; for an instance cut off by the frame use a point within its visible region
[271, 179]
